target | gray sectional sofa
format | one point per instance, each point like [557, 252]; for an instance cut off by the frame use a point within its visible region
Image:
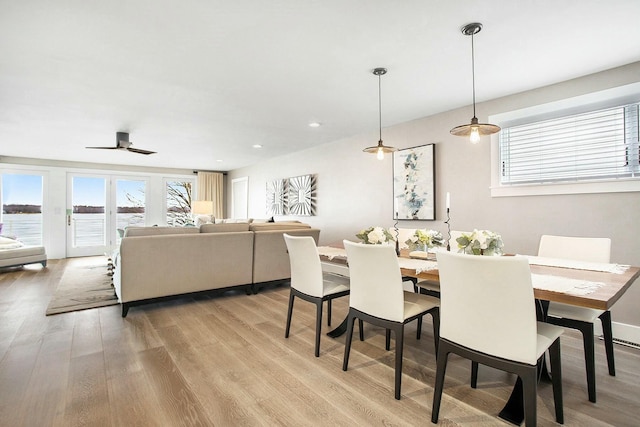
[156, 262]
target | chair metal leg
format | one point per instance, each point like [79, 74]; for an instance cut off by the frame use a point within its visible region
[474, 374]
[289, 313]
[589, 358]
[530, 388]
[605, 319]
[387, 340]
[329, 312]
[347, 344]
[435, 316]
[399, 333]
[318, 326]
[361, 328]
[441, 368]
[586, 328]
[556, 378]
[419, 329]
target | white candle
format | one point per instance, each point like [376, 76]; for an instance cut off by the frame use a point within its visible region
[448, 202]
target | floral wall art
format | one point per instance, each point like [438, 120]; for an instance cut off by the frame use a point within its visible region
[414, 183]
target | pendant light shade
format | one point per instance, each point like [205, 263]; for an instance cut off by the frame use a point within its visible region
[379, 149]
[474, 130]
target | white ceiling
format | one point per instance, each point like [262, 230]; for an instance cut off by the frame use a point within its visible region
[200, 81]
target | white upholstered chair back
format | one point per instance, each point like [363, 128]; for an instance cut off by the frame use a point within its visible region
[487, 304]
[376, 281]
[588, 249]
[306, 270]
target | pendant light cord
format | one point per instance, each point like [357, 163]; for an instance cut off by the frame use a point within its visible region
[380, 104]
[473, 76]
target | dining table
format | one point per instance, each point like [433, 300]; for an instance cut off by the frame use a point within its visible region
[584, 284]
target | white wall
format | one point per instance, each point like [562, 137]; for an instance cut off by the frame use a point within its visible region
[354, 190]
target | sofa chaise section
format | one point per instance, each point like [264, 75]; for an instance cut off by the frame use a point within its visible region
[19, 256]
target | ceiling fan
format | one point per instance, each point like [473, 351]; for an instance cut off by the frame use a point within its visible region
[122, 143]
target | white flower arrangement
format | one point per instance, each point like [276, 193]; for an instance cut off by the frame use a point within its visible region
[424, 239]
[480, 242]
[375, 236]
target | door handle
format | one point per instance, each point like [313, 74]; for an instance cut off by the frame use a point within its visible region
[69, 220]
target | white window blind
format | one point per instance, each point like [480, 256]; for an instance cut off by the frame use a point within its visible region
[588, 146]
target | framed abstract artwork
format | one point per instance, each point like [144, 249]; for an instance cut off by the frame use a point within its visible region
[414, 183]
[276, 197]
[300, 200]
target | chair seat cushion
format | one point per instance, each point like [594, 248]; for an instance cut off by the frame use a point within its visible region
[429, 285]
[333, 283]
[415, 304]
[573, 312]
[547, 334]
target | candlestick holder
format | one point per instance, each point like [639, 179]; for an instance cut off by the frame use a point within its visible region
[448, 230]
[395, 229]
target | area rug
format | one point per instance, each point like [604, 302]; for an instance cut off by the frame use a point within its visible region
[85, 284]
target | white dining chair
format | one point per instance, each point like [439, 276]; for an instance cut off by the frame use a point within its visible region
[488, 315]
[377, 297]
[309, 283]
[588, 249]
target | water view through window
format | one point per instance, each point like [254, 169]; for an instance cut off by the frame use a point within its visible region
[91, 206]
[22, 208]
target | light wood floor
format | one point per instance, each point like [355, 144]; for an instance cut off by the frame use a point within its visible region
[223, 360]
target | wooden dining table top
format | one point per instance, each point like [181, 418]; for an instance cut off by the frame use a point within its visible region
[603, 298]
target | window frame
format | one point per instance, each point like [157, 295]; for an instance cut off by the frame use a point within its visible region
[598, 100]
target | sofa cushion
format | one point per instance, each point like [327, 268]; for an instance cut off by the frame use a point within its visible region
[156, 231]
[9, 243]
[224, 228]
[203, 219]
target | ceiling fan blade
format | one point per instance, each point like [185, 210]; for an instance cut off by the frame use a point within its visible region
[139, 151]
[104, 148]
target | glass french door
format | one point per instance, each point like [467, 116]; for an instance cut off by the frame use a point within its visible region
[87, 215]
[100, 207]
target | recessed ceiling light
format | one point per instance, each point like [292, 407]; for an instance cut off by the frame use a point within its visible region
[314, 124]
[257, 146]
[219, 160]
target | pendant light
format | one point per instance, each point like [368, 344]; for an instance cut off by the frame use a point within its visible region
[474, 130]
[379, 149]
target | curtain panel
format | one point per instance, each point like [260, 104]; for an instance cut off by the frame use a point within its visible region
[211, 187]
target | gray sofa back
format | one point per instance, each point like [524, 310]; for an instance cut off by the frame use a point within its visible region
[224, 228]
[162, 265]
[155, 231]
[270, 256]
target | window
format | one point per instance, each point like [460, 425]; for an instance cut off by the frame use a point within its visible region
[577, 145]
[601, 144]
[178, 197]
[22, 207]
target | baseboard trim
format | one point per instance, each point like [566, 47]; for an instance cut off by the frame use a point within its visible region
[623, 333]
